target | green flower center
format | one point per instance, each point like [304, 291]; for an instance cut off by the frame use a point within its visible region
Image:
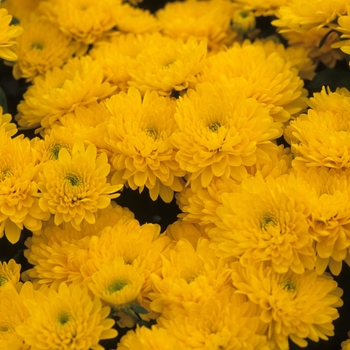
[4, 173]
[116, 286]
[37, 46]
[289, 286]
[214, 127]
[55, 149]
[73, 179]
[3, 280]
[63, 318]
[6, 328]
[268, 220]
[151, 132]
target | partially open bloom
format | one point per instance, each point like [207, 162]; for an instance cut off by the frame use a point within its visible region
[19, 190]
[117, 283]
[68, 316]
[267, 220]
[292, 306]
[261, 7]
[221, 132]
[139, 137]
[5, 122]
[75, 186]
[168, 65]
[9, 273]
[7, 34]
[80, 82]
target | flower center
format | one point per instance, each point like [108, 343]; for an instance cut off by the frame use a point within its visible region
[73, 179]
[37, 46]
[214, 127]
[289, 286]
[4, 173]
[64, 317]
[6, 328]
[3, 280]
[116, 286]
[268, 220]
[151, 132]
[55, 149]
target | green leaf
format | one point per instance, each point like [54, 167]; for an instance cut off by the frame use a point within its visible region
[334, 78]
[138, 309]
[3, 100]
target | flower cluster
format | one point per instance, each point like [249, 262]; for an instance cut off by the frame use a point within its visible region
[191, 105]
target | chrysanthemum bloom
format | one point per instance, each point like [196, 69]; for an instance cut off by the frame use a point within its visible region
[20, 9]
[68, 317]
[344, 28]
[149, 339]
[205, 20]
[41, 47]
[261, 8]
[7, 34]
[19, 190]
[138, 245]
[57, 253]
[14, 313]
[321, 137]
[310, 41]
[187, 230]
[189, 275]
[168, 65]
[9, 273]
[301, 15]
[221, 132]
[345, 345]
[330, 218]
[218, 322]
[118, 54]
[138, 135]
[80, 82]
[75, 186]
[267, 77]
[5, 122]
[292, 306]
[266, 221]
[117, 283]
[96, 18]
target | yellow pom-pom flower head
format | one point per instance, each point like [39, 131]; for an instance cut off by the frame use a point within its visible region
[75, 186]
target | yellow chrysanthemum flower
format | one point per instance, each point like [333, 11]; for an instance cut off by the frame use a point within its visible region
[14, 313]
[68, 316]
[9, 273]
[57, 253]
[321, 137]
[139, 134]
[310, 40]
[19, 190]
[292, 306]
[117, 283]
[41, 47]
[205, 20]
[21, 9]
[262, 8]
[5, 122]
[330, 217]
[301, 15]
[168, 65]
[344, 28]
[266, 221]
[7, 34]
[78, 83]
[189, 275]
[97, 19]
[221, 132]
[267, 77]
[218, 322]
[345, 345]
[75, 186]
[149, 339]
